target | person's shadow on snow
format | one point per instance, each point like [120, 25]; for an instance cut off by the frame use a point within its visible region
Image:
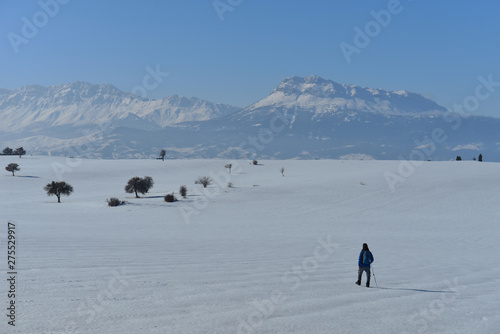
[417, 290]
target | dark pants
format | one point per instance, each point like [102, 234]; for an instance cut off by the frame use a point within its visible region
[368, 274]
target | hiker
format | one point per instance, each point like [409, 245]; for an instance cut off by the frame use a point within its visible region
[364, 261]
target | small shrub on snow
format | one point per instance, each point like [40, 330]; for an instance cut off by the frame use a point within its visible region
[170, 198]
[204, 181]
[183, 191]
[113, 201]
[255, 162]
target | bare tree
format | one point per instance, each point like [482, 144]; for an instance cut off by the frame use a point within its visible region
[20, 151]
[204, 181]
[12, 167]
[139, 185]
[162, 155]
[58, 189]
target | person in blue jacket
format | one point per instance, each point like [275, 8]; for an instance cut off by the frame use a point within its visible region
[364, 262]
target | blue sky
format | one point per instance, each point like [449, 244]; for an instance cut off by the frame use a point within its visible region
[438, 49]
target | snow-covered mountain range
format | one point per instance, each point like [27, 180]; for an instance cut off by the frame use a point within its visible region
[326, 96]
[82, 104]
[307, 117]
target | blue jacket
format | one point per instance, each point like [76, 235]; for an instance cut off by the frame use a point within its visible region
[360, 260]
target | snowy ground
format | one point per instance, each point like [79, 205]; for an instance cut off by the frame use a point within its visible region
[272, 255]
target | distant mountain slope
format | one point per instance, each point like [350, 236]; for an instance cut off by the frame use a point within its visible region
[83, 104]
[307, 118]
[177, 109]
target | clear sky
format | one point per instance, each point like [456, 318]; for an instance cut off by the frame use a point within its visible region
[436, 48]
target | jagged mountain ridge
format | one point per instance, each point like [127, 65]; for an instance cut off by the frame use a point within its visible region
[83, 104]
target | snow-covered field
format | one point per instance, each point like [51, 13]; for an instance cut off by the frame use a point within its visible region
[272, 254]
